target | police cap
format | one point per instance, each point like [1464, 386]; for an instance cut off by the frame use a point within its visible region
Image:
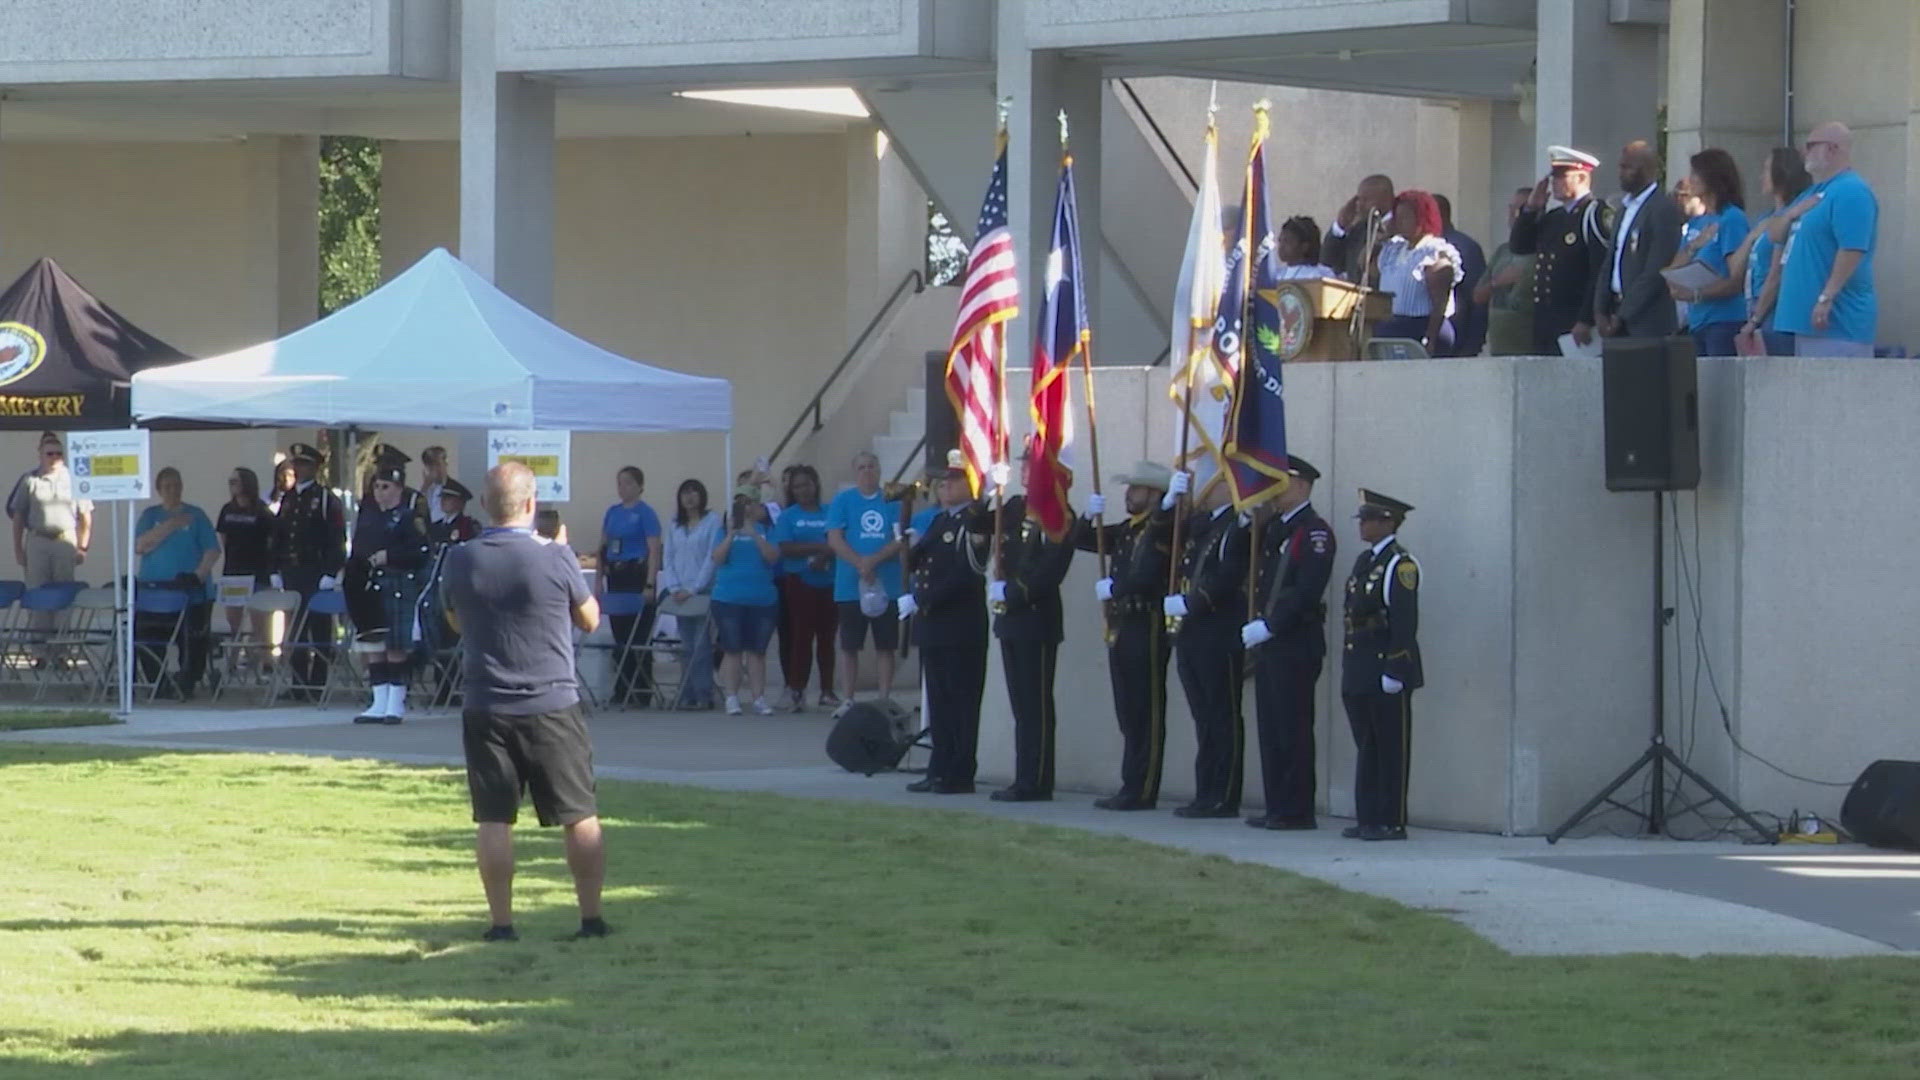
[1301, 467]
[1375, 505]
[303, 452]
[456, 489]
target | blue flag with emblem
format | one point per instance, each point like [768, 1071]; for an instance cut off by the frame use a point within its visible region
[1256, 436]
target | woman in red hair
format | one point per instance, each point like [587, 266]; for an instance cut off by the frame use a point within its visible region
[1419, 268]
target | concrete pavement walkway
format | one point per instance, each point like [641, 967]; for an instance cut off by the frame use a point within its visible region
[1497, 886]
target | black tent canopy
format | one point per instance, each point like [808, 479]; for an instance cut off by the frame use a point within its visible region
[66, 357]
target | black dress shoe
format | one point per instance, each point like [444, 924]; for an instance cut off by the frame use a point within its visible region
[952, 787]
[1123, 802]
[1206, 810]
[1020, 794]
[1383, 832]
[1353, 832]
[922, 785]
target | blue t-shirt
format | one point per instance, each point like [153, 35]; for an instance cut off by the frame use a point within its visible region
[515, 593]
[181, 551]
[626, 532]
[745, 578]
[1727, 240]
[867, 522]
[1846, 218]
[799, 525]
[1759, 261]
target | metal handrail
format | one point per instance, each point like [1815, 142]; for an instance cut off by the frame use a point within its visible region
[1165, 143]
[914, 278]
[913, 455]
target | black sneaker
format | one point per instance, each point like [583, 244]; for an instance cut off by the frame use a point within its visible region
[590, 928]
[501, 933]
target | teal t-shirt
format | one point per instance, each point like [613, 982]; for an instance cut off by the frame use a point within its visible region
[803, 526]
[1759, 261]
[181, 551]
[867, 522]
[1727, 240]
[1847, 218]
[746, 578]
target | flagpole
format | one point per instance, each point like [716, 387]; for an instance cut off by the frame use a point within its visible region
[1195, 322]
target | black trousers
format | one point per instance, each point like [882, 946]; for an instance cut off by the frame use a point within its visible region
[1029, 667]
[1210, 658]
[194, 643]
[1283, 685]
[310, 652]
[1382, 732]
[956, 678]
[1137, 664]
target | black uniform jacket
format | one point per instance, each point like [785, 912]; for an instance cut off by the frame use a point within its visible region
[1383, 621]
[311, 531]
[1213, 568]
[1569, 244]
[946, 575]
[1033, 567]
[1296, 561]
[1139, 554]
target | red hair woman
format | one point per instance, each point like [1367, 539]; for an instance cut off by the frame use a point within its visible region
[1419, 268]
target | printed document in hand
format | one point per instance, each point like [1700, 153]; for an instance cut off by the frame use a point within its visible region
[1570, 347]
[1694, 276]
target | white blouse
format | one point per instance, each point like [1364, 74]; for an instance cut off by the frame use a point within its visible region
[1302, 271]
[1403, 272]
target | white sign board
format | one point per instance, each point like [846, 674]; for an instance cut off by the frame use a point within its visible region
[110, 465]
[548, 453]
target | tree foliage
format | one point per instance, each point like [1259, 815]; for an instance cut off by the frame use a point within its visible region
[349, 220]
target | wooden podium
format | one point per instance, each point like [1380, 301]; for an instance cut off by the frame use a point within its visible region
[1325, 307]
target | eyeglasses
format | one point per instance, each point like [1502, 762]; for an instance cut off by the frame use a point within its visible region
[53, 453]
[1828, 143]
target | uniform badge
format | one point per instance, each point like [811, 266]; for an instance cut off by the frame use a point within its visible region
[1571, 238]
[947, 538]
[1408, 575]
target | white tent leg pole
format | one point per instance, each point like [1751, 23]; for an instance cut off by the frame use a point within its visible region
[126, 656]
[729, 477]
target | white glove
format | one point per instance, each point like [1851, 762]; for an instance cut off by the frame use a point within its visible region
[1176, 488]
[913, 537]
[1103, 589]
[1254, 633]
[998, 475]
[907, 606]
[1096, 506]
[1175, 606]
[997, 591]
[1246, 519]
[327, 582]
[276, 581]
[1391, 685]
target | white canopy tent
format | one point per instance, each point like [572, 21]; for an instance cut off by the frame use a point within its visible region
[438, 346]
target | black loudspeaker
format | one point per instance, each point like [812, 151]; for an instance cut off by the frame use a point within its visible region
[1651, 398]
[943, 434]
[1883, 809]
[870, 738]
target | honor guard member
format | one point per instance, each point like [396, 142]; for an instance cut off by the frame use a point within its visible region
[1211, 605]
[385, 456]
[947, 599]
[310, 549]
[1286, 644]
[1381, 668]
[1138, 645]
[1029, 623]
[1569, 240]
[392, 542]
[453, 525]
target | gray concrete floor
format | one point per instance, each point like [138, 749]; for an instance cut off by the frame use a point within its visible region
[1593, 896]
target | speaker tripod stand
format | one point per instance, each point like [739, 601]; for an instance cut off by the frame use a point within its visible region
[1658, 756]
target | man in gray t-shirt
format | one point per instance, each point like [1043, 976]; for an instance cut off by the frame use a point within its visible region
[516, 598]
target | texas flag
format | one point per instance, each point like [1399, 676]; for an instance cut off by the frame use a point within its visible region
[1061, 338]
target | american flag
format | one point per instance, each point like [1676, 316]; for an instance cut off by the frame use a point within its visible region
[1060, 339]
[989, 296]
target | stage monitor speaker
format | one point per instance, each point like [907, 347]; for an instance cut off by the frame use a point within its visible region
[870, 738]
[942, 434]
[1883, 809]
[1650, 396]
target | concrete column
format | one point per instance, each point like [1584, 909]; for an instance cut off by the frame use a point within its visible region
[282, 215]
[506, 167]
[1040, 85]
[1726, 81]
[1598, 84]
[863, 197]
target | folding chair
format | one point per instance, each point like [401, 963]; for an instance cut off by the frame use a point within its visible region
[623, 605]
[166, 608]
[10, 620]
[83, 648]
[333, 602]
[664, 646]
[236, 646]
[1393, 348]
[32, 645]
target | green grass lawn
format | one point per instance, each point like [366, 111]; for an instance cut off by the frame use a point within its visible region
[190, 916]
[39, 719]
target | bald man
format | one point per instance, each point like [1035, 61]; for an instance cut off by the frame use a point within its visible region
[1826, 298]
[1345, 246]
[1631, 298]
[517, 597]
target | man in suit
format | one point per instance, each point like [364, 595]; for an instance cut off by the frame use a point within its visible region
[1631, 298]
[1381, 668]
[1286, 644]
[1368, 215]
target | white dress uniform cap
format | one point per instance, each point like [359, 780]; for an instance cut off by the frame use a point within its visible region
[1568, 157]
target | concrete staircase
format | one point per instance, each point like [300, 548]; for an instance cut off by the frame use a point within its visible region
[899, 446]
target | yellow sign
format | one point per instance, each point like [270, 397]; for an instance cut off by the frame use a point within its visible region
[540, 464]
[43, 405]
[116, 465]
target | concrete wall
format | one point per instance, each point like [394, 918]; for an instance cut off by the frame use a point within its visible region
[1537, 620]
